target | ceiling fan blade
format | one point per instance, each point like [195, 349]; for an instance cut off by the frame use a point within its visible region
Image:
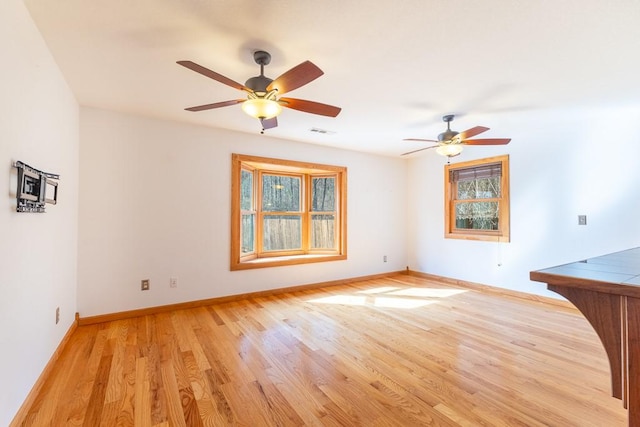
[419, 149]
[269, 123]
[215, 105]
[213, 75]
[472, 132]
[310, 107]
[298, 76]
[420, 140]
[491, 141]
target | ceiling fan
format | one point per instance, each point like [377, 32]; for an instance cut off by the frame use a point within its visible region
[450, 142]
[263, 93]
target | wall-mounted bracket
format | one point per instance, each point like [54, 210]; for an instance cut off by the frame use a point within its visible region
[35, 188]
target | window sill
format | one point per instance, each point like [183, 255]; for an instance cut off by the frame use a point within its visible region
[285, 260]
[486, 237]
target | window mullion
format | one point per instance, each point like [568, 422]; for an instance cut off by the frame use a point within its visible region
[259, 215]
[306, 213]
[337, 209]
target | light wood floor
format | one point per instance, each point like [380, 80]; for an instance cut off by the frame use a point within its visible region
[400, 351]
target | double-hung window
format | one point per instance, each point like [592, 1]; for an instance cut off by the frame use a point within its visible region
[286, 212]
[477, 199]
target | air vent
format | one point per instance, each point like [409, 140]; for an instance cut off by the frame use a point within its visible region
[322, 131]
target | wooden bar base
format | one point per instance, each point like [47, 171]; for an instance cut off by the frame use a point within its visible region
[606, 290]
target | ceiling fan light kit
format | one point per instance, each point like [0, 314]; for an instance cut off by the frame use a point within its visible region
[450, 142]
[449, 150]
[261, 108]
[262, 102]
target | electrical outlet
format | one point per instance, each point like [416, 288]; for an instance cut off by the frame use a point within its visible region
[384, 258]
[144, 285]
[173, 282]
[582, 220]
[57, 315]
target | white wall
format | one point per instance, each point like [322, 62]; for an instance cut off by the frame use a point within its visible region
[562, 164]
[155, 203]
[38, 252]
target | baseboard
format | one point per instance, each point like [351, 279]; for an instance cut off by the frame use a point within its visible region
[218, 300]
[493, 289]
[21, 415]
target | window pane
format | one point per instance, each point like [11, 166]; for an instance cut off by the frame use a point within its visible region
[246, 191]
[485, 188]
[280, 193]
[323, 231]
[477, 215]
[323, 194]
[247, 238]
[281, 232]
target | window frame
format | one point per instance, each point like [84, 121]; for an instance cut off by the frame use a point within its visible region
[502, 234]
[307, 171]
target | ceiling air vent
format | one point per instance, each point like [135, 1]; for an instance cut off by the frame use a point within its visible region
[322, 131]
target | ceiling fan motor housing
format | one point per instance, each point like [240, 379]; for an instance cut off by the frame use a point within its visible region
[258, 83]
[447, 135]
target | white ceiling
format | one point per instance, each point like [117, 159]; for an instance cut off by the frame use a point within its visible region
[394, 66]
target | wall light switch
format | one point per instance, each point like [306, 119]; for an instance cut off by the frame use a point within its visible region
[582, 220]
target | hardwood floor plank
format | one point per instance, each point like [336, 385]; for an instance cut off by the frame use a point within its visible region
[125, 407]
[223, 414]
[175, 413]
[98, 392]
[83, 388]
[394, 351]
[199, 387]
[142, 405]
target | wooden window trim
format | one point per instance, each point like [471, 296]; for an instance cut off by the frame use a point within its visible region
[500, 235]
[284, 167]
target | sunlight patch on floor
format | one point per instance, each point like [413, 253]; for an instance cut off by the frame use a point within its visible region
[390, 297]
[428, 292]
[401, 302]
[380, 290]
